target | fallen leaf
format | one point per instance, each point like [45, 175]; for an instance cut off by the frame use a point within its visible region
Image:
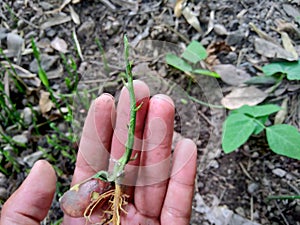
[243, 96]
[271, 50]
[281, 114]
[231, 74]
[192, 19]
[56, 20]
[74, 15]
[59, 45]
[178, 7]
[45, 103]
[288, 45]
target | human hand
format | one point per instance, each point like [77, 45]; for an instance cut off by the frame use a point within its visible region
[155, 199]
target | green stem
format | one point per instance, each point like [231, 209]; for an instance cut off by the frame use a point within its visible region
[283, 197]
[120, 164]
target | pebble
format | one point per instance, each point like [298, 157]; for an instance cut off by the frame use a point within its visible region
[14, 43]
[240, 211]
[279, 172]
[86, 29]
[47, 62]
[234, 38]
[27, 113]
[252, 187]
[32, 158]
[3, 179]
[21, 138]
[3, 193]
[220, 30]
[3, 33]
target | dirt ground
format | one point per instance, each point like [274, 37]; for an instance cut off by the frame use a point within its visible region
[230, 188]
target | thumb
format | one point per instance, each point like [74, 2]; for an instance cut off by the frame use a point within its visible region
[31, 202]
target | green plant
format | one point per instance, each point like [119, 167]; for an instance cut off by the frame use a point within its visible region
[193, 54]
[283, 139]
[288, 69]
[116, 197]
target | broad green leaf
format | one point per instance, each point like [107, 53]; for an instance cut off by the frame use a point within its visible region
[237, 128]
[284, 140]
[178, 63]
[258, 111]
[258, 124]
[207, 73]
[195, 52]
[291, 69]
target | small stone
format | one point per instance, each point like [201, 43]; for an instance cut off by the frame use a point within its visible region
[213, 164]
[86, 29]
[3, 193]
[220, 30]
[3, 33]
[45, 5]
[32, 158]
[279, 172]
[231, 57]
[252, 187]
[21, 138]
[50, 33]
[47, 62]
[27, 114]
[14, 43]
[3, 180]
[240, 211]
[234, 38]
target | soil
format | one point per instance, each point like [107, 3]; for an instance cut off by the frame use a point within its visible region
[239, 182]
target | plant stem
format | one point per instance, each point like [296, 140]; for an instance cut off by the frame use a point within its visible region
[120, 164]
[283, 197]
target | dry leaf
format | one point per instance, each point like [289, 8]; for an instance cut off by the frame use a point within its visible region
[56, 20]
[178, 7]
[243, 96]
[59, 45]
[74, 15]
[287, 44]
[231, 74]
[281, 114]
[192, 19]
[45, 103]
[210, 26]
[77, 44]
[270, 50]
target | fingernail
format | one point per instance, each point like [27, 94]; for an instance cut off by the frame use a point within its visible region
[165, 98]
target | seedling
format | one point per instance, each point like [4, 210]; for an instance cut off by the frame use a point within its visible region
[193, 54]
[86, 194]
[288, 69]
[283, 139]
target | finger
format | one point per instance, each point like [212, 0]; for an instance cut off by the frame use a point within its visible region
[94, 145]
[96, 138]
[178, 202]
[31, 202]
[155, 161]
[121, 130]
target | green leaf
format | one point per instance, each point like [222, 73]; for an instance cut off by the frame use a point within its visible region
[284, 140]
[195, 52]
[258, 111]
[291, 69]
[178, 63]
[237, 128]
[258, 127]
[43, 77]
[207, 73]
